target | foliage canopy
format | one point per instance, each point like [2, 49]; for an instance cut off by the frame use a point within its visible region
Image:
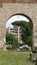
[26, 31]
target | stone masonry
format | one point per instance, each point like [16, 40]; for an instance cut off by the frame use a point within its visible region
[14, 1]
[8, 9]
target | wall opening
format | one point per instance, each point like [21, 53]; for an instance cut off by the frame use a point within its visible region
[15, 29]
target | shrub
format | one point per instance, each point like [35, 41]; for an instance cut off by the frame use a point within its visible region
[10, 39]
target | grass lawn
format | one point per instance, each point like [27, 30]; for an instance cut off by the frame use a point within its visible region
[14, 58]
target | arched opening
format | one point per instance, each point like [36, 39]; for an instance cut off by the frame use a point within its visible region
[15, 29]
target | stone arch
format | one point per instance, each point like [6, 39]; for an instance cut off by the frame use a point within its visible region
[8, 9]
[31, 22]
[24, 16]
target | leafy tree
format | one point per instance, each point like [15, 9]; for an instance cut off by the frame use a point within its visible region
[26, 31]
[10, 39]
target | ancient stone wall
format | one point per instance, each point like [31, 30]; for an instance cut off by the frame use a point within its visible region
[8, 9]
[23, 1]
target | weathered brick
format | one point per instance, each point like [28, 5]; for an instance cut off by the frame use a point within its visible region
[12, 1]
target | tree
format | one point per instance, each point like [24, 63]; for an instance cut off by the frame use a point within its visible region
[26, 31]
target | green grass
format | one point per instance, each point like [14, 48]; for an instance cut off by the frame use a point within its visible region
[14, 58]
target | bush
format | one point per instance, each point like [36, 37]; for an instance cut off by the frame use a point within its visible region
[10, 39]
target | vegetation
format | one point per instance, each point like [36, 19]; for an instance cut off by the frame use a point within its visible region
[26, 31]
[10, 39]
[15, 58]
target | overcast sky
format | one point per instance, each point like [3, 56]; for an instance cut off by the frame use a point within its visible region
[15, 18]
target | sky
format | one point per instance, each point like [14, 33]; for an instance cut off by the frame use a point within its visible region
[15, 18]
